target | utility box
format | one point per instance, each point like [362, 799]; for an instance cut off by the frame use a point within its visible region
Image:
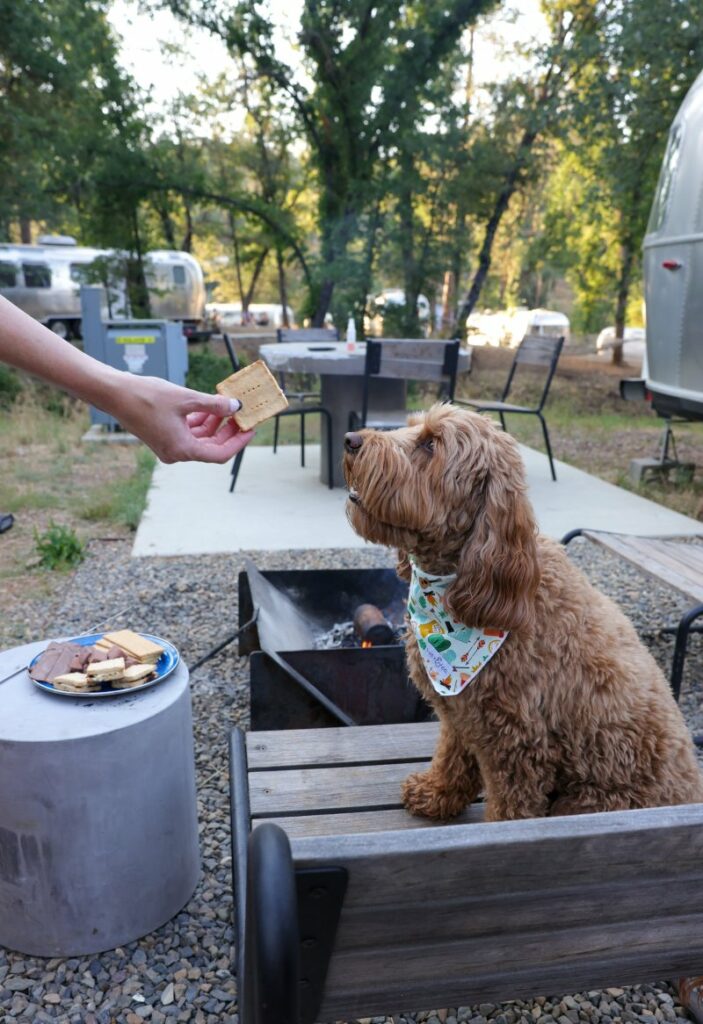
[154, 348]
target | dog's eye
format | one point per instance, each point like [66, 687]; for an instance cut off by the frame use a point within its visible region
[428, 445]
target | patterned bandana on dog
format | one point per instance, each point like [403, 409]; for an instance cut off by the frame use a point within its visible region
[453, 653]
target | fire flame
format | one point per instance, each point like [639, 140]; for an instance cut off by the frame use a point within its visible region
[366, 643]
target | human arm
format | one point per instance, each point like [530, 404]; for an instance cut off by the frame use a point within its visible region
[176, 423]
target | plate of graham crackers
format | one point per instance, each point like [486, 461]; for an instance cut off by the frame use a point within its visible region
[103, 664]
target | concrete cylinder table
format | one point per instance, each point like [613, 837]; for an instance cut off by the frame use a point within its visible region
[98, 814]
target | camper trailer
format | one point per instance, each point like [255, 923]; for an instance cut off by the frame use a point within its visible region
[673, 270]
[44, 280]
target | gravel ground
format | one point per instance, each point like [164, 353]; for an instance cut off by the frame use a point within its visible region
[184, 971]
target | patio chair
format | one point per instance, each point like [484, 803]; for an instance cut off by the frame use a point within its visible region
[299, 408]
[298, 396]
[533, 351]
[406, 359]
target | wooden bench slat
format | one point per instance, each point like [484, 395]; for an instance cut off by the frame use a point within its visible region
[312, 790]
[291, 748]
[513, 856]
[684, 558]
[494, 971]
[666, 557]
[662, 560]
[363, 821]
[471, 915]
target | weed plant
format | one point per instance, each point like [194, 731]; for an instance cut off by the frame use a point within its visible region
[59, 547]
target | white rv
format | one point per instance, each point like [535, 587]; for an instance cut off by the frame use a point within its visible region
[673, 269]
[44, 280]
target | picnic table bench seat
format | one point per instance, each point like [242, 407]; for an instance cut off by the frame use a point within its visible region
[347, 907]
[676, 563]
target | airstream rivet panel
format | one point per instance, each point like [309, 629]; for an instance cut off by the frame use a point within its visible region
[673, 269]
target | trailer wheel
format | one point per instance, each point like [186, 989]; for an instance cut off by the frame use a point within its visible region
[61, 328]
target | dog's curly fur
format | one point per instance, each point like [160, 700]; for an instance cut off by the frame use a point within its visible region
[572, 714]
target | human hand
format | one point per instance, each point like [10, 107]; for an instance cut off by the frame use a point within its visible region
[179, 424]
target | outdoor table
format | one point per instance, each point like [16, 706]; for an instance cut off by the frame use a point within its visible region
[342, 381]
[98, 815]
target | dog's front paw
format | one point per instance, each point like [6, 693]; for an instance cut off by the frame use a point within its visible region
[424, 797]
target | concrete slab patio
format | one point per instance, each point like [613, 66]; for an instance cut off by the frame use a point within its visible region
[278, 505]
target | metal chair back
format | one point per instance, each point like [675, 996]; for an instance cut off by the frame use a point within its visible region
[409, 359]
[304, 334]
[536, 351]
[233, 357]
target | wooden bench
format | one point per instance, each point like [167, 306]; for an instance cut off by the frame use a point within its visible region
[675, 563]
[348, 907]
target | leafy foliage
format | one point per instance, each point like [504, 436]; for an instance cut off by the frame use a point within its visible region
[205, 370]
[59, 548]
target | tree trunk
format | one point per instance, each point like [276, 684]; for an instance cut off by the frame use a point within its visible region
[367, 272]
[188, 237]
[447, 300]
[627, 254]
[136, 276]
[25, 231]
[282, 287]
[501, 205]
[254, 278]
[324, 300]
[167, 226]
[339, 219]
[237, 262]
[512, 182]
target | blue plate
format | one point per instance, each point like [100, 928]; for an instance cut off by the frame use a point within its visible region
[164, 667]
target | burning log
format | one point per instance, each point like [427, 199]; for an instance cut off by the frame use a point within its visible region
[371, 626]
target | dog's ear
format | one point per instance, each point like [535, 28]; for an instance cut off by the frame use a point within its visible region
[498, 571]
[403, 567]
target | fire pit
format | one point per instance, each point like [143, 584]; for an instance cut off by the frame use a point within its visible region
[308, 666]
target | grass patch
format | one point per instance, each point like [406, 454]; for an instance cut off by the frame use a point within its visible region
[12, 499]
[122, 501]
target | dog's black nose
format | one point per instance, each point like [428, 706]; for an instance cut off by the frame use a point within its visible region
[353, 442]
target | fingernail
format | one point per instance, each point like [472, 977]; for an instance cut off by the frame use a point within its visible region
[234, 405]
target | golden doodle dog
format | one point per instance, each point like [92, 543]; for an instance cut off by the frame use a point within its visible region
[548, 703]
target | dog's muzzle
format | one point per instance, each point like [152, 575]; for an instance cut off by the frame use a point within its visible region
[353, 443]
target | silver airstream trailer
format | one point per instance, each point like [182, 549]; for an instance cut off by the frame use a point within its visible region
[673, 270]
[44, 280]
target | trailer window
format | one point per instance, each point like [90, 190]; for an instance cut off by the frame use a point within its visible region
[8, 275]
[666, 180]
[179, 275]
[36, 275]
